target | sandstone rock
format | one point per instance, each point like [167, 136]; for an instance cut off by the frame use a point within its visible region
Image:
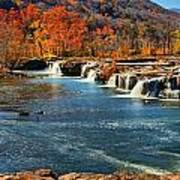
[171, 177]
[42, 174]
[46, 174]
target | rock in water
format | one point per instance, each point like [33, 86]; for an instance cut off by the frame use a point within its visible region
[24, 113]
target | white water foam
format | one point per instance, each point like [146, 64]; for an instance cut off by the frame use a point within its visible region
[91, 75]
[61, 77]
[86, 67]
[129, 96]
[90, 78]
[169, 154]
[106, 86]
[85, 81]
[147, 169]
[137, 90]
[123, 96]
[112, 81]
[170, 100]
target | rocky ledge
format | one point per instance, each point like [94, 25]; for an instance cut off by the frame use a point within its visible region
[46, 174]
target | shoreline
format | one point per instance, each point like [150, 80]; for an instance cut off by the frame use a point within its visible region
[48, 174]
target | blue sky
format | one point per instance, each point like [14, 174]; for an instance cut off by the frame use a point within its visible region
[169, 3]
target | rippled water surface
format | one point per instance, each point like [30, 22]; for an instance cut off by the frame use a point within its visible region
[77, 126]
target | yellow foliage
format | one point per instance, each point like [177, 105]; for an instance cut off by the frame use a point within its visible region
[176, 44]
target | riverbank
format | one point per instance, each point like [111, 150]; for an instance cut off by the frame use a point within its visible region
[47, 174]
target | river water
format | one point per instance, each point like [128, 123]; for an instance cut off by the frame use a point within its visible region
[77, 126]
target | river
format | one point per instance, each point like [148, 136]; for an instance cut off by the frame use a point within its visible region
[73, 125]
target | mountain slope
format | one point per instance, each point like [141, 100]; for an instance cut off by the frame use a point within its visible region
[175, 10]
[136, 10]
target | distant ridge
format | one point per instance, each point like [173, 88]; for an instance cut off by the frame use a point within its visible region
[175, 10]
[135, 10]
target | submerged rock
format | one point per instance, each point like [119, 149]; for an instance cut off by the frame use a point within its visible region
[24, 113]
[40, 112]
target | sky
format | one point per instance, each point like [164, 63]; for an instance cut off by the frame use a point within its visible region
[169, 3]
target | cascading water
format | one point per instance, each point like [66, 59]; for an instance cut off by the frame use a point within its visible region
[124, 83]
[92, 75]
[54, 68]
[111, 82]
[116, 81]
[83, 70]
[138, 89]
[130, 81]
[148, 88]
[172, 94]
[86, 67]
[127, 83]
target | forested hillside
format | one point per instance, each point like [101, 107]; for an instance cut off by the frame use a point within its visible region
[101, 28]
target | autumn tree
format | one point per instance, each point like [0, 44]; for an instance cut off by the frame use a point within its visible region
[62, 32]
[31, 20]
[102, 41]
[30, 30]
[176, 41]
[11, 36]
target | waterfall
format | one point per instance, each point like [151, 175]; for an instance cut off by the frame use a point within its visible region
[148, 88]
[54, 68]
[116, 80]
[124, 83]
[127, 82]
[138, 89]
[83, 70]
[112, 81]
[172, 94]
[92, 74]
[130, 81]
[86, 67]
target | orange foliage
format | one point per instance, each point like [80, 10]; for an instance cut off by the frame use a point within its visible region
[30, 32]
[62, 29]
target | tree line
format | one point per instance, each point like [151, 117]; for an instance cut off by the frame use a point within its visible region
[32, 32]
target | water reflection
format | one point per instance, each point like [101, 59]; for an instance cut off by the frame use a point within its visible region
[15, 91]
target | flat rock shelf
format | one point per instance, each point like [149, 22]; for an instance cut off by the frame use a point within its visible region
[47, 174]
